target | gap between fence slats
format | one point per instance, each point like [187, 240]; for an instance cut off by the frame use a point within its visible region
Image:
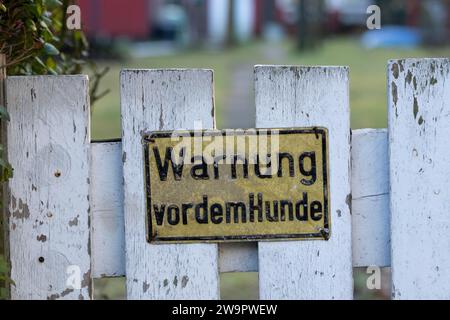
[419, 117]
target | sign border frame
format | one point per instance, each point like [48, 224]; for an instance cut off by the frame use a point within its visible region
[324, 234]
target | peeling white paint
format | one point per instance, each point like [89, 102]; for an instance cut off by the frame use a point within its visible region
[49, 185]
[419, 130]
[292, 96]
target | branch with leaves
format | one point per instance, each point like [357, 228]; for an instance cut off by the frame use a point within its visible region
[36, 41]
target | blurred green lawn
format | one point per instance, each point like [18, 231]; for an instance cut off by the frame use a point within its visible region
[367, 100]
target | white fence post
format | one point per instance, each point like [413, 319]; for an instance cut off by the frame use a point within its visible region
[49, 147]
[300, 97]
[419, 131]
[163, 100]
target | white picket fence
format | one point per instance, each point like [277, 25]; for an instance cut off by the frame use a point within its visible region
[77, 206]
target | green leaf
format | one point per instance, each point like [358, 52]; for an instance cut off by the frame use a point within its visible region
[3, 7]
[3, 163]
[54, 3]
[50, 63]
[47, 21]
[3, 265]
[43, 24]
[40, 63]
[31, 25]
[52, 71]
[7, 280]
[4, 113]
[7, 173]
[50, 49]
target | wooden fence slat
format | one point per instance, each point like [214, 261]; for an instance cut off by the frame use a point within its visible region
[108, 231]
[49, 146]
[370, 201]
[419, 117]
[301, 97]
[163, 100]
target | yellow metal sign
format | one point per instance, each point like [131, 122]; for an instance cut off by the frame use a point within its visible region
[236, 185]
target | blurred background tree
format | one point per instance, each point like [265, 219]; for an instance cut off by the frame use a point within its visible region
[310, 23]
[36, 41]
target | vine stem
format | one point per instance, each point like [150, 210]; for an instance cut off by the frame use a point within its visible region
[4, 245]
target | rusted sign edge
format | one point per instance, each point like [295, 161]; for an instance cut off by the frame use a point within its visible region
[325, 232]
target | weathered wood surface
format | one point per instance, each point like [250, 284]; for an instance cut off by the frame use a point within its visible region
[108, 231]
[163, 100]
[370, 201]
[49, 146]
[303, 97]
[419, 115]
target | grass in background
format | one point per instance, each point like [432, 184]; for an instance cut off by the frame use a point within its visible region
[106, 113]
[367, 76]
[367, 100]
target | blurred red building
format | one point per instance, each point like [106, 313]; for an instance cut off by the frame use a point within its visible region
[207, 19]
[116, 18]
[141, 19]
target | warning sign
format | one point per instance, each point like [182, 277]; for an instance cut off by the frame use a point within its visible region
[237, 185]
